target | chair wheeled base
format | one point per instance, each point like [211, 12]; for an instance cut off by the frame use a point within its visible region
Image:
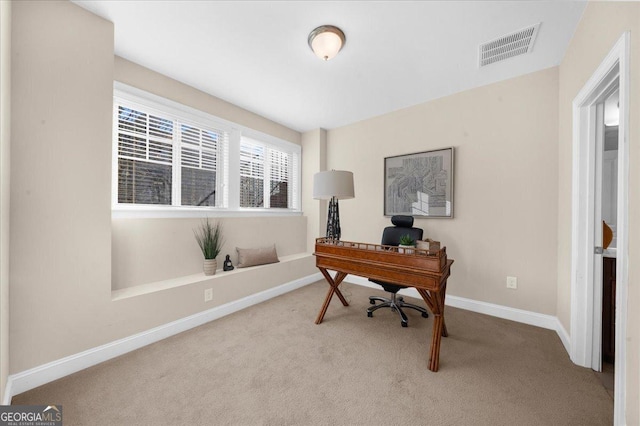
[396, 303]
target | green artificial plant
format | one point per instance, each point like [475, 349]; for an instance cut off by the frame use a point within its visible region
[406, 240]
[209, 238]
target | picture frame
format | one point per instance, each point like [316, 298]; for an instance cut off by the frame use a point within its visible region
[419, 184]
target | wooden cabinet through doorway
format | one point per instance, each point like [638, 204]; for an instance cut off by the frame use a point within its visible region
[608, 309]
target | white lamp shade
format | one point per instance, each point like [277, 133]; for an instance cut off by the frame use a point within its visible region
[334, 183]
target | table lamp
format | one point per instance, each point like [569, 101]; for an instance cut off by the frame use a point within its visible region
[333, 185]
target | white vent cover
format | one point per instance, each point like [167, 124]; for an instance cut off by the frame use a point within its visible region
[508, 46]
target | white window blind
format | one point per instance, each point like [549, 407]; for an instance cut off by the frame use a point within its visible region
[252, 165]
[268, 176]
[294, 181]
[200, 154]
[280, 172]
[145, 155]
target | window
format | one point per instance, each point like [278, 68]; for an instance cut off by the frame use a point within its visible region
[252, 157]
[266, 176]
[279, 179]
[199, 164]
[172, 158]
[151, 145]
[145, 150]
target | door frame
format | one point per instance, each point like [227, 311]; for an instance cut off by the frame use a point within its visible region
[583, 282]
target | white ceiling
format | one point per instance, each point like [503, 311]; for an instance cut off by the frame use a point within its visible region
[255, 54]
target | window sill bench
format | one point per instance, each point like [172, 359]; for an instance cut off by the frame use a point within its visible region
[158, 286]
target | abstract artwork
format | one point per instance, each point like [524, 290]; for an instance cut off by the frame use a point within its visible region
[419, 184]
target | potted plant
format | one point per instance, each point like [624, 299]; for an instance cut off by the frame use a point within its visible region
[209, 238]
[406, 244]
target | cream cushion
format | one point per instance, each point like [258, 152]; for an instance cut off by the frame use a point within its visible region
[256, 256]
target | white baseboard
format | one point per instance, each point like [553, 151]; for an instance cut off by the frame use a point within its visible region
[527, 317]
[564, 336]
[7, 392]
[37, 376]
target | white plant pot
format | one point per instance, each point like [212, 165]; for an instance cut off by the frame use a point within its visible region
[210, 266]
[406, 249]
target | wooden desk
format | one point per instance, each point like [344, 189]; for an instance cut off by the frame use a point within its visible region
[426, 271]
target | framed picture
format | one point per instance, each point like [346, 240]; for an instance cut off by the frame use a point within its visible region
[419, 184]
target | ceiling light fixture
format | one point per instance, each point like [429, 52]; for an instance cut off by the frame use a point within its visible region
[326, 41]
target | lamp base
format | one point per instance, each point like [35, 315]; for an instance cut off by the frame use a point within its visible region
[333, 220]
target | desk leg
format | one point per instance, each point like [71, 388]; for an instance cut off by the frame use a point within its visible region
[333, 283]
[429, 301]
[435, 301]
[445, 333]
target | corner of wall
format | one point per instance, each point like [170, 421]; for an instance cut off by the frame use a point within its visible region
[5, 142]
[314, 160]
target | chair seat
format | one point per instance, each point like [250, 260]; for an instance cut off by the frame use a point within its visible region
[388, 287]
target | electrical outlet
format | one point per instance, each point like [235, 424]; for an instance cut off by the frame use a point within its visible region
[208, 294]
[512, 282]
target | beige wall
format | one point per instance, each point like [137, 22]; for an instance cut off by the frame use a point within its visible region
[61, 251]
[601, 26]
[148, 250]
[505, 139]
[5, 137]
[143, 78]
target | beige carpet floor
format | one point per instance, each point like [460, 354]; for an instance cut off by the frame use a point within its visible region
[271, 365]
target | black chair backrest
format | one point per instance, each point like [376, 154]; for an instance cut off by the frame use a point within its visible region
[403, 226]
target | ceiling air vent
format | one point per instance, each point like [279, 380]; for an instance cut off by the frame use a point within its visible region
[508, 46]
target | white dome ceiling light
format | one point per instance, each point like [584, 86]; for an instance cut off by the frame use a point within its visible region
[326, 41]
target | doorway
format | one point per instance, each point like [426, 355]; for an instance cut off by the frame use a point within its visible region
[603, 362]
[587, 249]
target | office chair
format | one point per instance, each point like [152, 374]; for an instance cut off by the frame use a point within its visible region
[403, 225]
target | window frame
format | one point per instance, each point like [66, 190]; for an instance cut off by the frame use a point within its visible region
[228, 163]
